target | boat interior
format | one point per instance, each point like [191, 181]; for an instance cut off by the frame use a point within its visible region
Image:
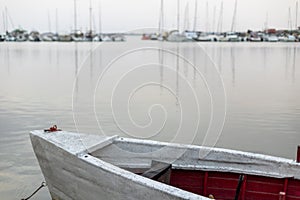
[181, 167]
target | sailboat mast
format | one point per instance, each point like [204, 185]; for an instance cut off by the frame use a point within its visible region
[178, 11]
[161, 18]
[100, 20]
[195, 15]
[290, 26]
[49, 21]
[6, 19]
[56, 20]
[75, 15]
[207, 16]
[91, 15]
[296, 25]
[3, 18]
[233, 25]
[186, 17]
[214, 20]
[267, 21]
[220, 23]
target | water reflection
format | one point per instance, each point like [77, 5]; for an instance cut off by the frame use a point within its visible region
[76, 58]
[186, 53]
[294, 64]
[262, 104]
[161, 59]
[287, 61]
[57, 55]
[50, 59]
[195, 65]
[91, 60]
[290, 63]
[177, 75]
[232, 56]
[220, 58]
[265, 57]
[76, 68]
[7, 59]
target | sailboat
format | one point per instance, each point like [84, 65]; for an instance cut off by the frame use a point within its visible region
[232, 36]
[162, 35]
[20, 35]
[175, 35]
[98, 37]
[89, 35]
[76, 35]
[288, 37]
[192, 35]
[206, 36]
[34, 36]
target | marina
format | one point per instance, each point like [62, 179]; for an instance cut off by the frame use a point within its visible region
[183, 32]
[187, 36]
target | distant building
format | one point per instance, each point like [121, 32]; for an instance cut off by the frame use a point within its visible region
[271, 31]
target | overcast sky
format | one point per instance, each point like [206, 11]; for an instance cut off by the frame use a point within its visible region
[125, 15]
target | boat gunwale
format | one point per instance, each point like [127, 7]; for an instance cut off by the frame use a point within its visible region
[110, 140]
[210, 149]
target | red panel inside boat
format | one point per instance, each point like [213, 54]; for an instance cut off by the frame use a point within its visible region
[224, 185]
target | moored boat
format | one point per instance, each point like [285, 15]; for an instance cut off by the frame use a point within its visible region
[146, 36]
[9, 37]
[20, 35]
[255, 39]
[64, 38]
[89, 35]
[191, 35]
[48, 37]
[272, 38]
[2, 37]
[233, 37]
[77, 36]
[204, 37]
[83, 166]
[34, 36]
[175, 36]
[154, 37]
[287, 38]
[223, 38]
[113, 38]
[118, 38]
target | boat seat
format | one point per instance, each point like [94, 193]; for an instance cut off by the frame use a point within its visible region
[157, 170]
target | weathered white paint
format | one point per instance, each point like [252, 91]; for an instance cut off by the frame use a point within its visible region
[82, 166]
[126, 152]
[71, 173]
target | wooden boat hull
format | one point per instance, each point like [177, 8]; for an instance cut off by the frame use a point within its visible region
[71, 173]
[80, 166]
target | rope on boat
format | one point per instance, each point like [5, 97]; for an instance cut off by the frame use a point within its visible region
[238, 189]
[43, 184]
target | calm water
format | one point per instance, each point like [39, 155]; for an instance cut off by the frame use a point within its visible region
[243, 96]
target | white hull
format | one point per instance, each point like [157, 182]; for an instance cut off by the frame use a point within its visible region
[233, 38]
[255, 39]
[88, 167]
[177, 38]
[272, 39]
